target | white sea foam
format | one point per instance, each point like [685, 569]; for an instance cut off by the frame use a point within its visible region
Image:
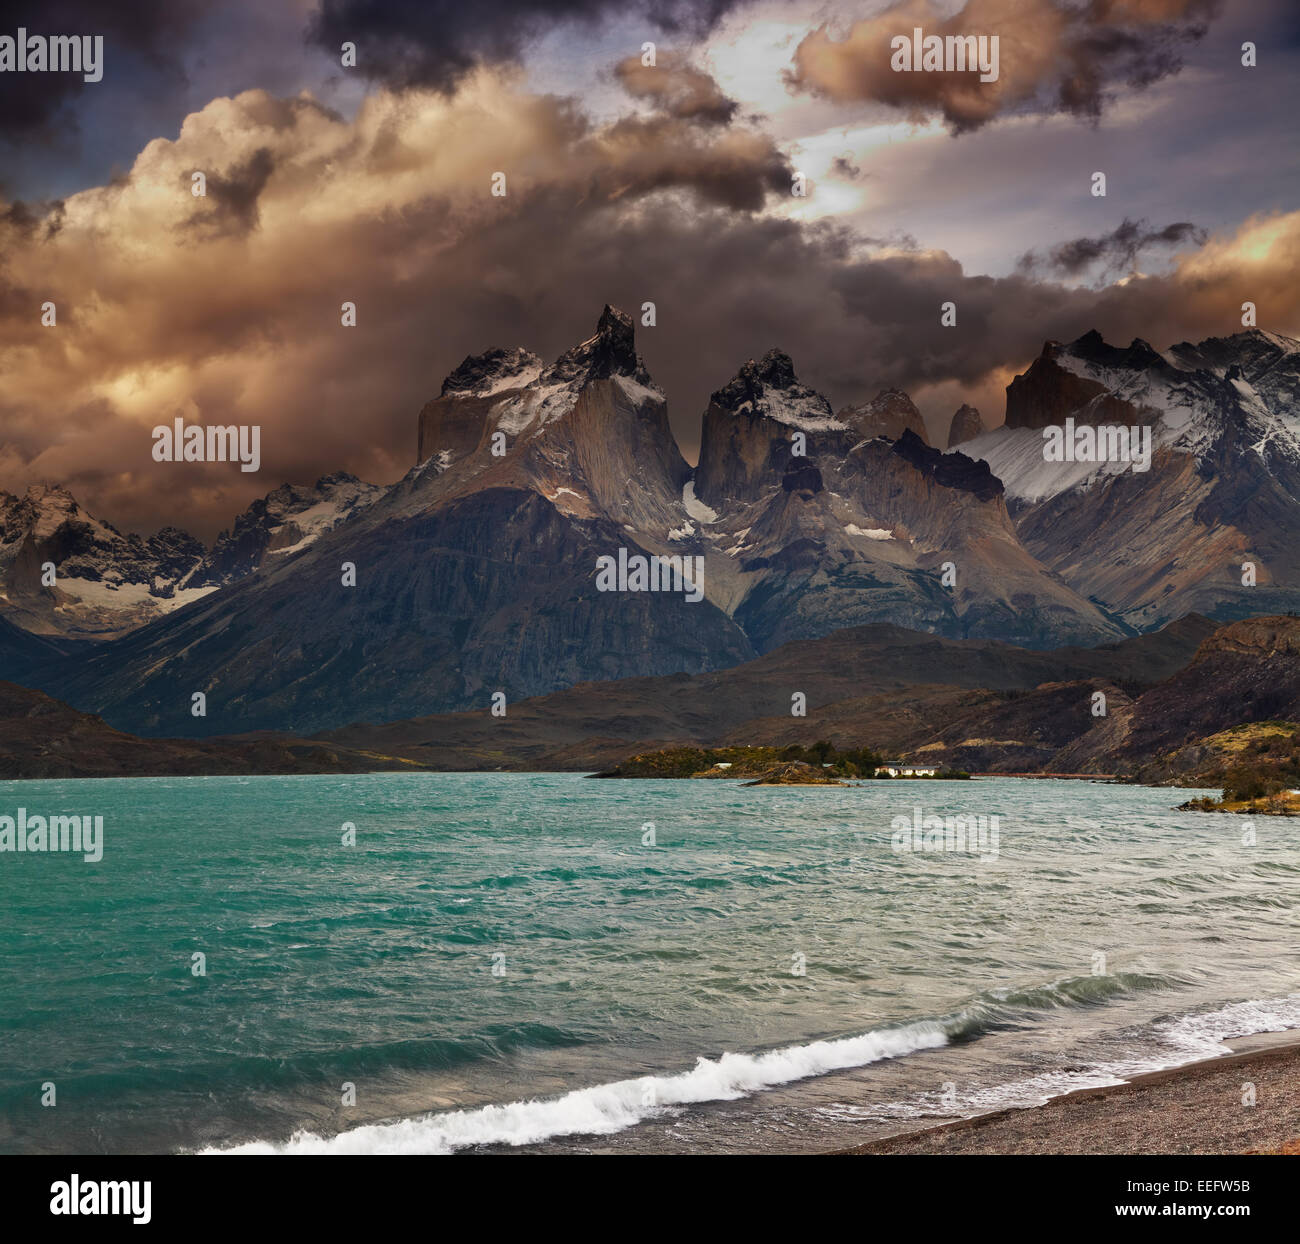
[607, 1108]
[1201, 1035]
[1168, 1043]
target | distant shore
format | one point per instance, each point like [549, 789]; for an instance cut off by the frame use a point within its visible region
[1193, 1109]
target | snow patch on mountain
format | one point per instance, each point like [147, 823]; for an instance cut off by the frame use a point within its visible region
[638, 392]
[795, 410]
[695, 507]
[110, 594]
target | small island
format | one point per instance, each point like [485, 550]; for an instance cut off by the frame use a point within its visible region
[1281, 803]
[822, 764]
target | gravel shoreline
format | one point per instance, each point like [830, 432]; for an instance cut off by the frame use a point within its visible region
[1194, 1109]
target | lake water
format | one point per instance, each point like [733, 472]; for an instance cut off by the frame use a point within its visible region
[502, 960]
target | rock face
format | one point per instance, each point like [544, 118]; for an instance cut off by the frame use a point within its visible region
[890, 413]
[105, 582]
[949, 470]
[748, 435]
[1050, 392]
[285, 521]
[857, 529]
[966, 425]
[453, 421]
[1222, 492]
[108, 584]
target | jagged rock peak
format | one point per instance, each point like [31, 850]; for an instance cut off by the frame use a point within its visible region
[890, 413]
[953, 470]
[483, 374]
[44, 506]
[1092, 347]
[966, 425]
[38, 493]
[770, 387]
[611, 352]
[334, 478]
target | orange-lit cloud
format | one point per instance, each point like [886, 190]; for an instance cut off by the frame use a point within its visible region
[1052, 56]
[226, 309]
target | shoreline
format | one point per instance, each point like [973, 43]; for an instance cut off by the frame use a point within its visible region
[1194, 1108]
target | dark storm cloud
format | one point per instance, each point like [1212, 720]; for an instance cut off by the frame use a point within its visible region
[143, 36]
[676, 88]
[1097, 55]
[28, 221]
[1054, 56]
[392, 210]
[232, 196]
[1117, 251]
[435, 43]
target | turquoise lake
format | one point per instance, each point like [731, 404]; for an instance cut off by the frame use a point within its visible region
[501, 960]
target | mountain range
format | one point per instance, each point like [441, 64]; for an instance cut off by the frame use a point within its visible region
[475, 573]
[106, 583]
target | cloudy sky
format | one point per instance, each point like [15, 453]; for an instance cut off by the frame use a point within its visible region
[625, 184]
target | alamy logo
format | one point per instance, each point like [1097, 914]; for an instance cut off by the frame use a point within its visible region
[83, 54]
[211, 443]
[966, 833]
[103, 1196]
[1105, 443]
[639, 573]
[924, 53]
[56, 833]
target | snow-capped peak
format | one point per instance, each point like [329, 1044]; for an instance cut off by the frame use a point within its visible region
[493, 372]
[769, 388]
[609, 354]
[1242, 388]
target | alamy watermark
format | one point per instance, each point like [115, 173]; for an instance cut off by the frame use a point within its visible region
[1085, 442]
[639, 573]
[83, 54]
[209, 443]
[56, 833]
[966, 833]
[924, 53]
[130, 1198]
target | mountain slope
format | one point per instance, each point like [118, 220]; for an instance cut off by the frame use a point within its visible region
[107, 584]
[1245, 672]
[284, 521]
[877, 685]
[987, 704]
[42, 738]
[859, 529]
[1223, 488]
